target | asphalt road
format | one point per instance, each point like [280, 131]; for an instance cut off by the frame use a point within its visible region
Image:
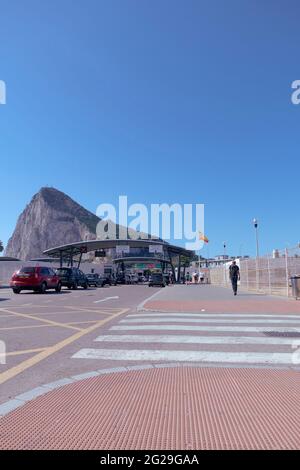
[41, 333]
[54, 336]
[194, 367]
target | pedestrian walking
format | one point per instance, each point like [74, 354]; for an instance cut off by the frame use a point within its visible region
[234, 274]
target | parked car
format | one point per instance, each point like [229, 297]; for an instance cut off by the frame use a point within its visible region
[120, 279]
[93, 279]
[36, 278]
[113, 279]
[105, 280]
[72, 278]
[141, 278]
[131, 278]
[157, 279]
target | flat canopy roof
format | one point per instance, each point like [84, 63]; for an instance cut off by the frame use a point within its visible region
[141, 259]
[86, 246]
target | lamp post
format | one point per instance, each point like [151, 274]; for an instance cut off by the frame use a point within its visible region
[255, 223]
[224, 263]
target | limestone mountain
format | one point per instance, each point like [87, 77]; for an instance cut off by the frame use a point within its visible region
[51, 219]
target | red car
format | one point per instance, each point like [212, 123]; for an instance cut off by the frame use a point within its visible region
[38, 279]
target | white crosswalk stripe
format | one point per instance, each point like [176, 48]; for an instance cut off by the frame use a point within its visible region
[206, 320]
[213, 315]
[183, 339]
[247, 339]
[185, 356]
[236, 329]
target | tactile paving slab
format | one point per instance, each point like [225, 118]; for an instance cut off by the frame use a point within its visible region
[236, 305]
[163, 408]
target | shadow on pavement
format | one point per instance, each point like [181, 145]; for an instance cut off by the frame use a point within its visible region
[250, 294]
[46, 293]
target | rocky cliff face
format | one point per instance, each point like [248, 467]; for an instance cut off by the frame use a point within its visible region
[51, 219]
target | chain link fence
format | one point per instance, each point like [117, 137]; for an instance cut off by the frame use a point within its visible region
[268, 274]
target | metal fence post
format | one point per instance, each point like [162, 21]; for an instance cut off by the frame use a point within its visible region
[269, 276]
[287, 271]
[257, 274]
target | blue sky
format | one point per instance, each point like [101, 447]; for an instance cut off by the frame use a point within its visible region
[165, 101]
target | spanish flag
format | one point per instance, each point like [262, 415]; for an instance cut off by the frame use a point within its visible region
[203, 237]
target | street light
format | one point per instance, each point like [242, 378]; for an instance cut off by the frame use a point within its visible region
[255, 223]
[224, 246]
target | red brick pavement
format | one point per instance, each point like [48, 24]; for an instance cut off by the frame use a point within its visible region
[236, 305]
[172, 408]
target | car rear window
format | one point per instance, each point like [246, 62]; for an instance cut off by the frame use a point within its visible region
[45, 271]
[63, 271]
[27, 270]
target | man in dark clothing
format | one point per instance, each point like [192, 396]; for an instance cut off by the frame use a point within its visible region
[234, 274]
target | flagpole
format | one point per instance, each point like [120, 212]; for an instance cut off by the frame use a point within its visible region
[205, 240]
[199, 259]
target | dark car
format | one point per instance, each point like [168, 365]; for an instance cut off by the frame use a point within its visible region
[113, 279]
[93, 279]
[72, 278]
[120, 279]
[36, 278]
[110, 277]
[157, 279]
[141, 278]
[105, 280]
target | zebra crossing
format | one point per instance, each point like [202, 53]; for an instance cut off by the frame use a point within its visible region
[272, 340]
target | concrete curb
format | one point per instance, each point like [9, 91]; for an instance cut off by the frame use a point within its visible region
[23, 398]
[140, 307]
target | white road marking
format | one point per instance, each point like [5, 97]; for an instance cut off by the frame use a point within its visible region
[106, 298]
[186, 356]
[205, 320]
[182, 339]
[238, 329]
[211, 315]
